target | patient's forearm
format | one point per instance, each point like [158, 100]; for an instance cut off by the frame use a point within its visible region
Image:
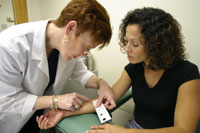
[85, 109]
[88, 107]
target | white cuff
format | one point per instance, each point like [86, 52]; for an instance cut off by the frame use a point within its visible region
[86, 77]
[28, 105]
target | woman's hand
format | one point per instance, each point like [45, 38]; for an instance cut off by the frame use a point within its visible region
[105, 95]
[49, 119]
[107, 128]
[71, 101]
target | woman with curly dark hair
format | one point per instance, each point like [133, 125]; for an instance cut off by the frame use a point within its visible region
[160, 34]
[165, 86]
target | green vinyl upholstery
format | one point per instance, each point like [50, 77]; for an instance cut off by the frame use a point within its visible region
[198, 127]
[81, 123]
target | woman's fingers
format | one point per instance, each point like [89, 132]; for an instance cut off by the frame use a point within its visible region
[78, 102]
[98, 127]
[43, 123]
[71, 101]
[39, 120]
[83, 98]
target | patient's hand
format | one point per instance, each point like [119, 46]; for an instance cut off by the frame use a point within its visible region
[49, 119]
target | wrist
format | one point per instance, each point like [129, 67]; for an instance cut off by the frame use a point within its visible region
[98, 82]
[54, 105]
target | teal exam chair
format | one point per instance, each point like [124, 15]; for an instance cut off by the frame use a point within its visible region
[198, 127]
[81, 123]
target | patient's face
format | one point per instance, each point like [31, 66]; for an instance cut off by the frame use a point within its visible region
[134, 44]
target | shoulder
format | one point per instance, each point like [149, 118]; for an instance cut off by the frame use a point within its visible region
[21, 30]
[185, 67]
[132, 69]
[187, 64]
[185, 71]
[22, 37]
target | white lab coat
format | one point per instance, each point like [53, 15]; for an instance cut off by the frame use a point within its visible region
[24, 73]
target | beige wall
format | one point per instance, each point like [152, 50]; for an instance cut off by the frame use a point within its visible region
[109, 61]
[6, 11]
[44, 9]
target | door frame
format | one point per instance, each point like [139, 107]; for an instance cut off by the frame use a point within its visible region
[20, 11]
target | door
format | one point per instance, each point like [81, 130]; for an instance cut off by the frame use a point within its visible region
[20, 11]
[12, 12]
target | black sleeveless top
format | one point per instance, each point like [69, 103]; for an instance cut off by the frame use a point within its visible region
[154, 107]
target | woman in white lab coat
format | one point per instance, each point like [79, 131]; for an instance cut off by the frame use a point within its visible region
[37, 58]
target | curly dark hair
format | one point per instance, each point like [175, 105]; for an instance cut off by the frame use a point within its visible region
[162, 34]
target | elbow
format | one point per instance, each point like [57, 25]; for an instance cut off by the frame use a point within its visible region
[185, 130]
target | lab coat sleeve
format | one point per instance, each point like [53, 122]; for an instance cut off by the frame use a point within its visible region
[13, 97]
[80, 72]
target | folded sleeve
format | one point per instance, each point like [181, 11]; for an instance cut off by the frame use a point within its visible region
[80, 73]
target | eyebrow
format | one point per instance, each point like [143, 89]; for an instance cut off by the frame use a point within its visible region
[85, 42]
[133, 38]
[91, 46]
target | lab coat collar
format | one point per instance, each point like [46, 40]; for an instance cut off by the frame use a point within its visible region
[39, 45]
[60, 68]
[39, 51]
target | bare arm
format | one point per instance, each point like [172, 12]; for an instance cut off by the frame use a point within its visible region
[122, 85]
[91, 83]
[52, 117]
[186, 113]
[119, 89]
[106, 95]
[187, 110]
[43, 102]
[65, 101]
[188, 106]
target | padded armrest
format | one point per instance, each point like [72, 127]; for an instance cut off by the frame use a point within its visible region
[78, 124]
[198, 127]
[81, 123]
[122, 100]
